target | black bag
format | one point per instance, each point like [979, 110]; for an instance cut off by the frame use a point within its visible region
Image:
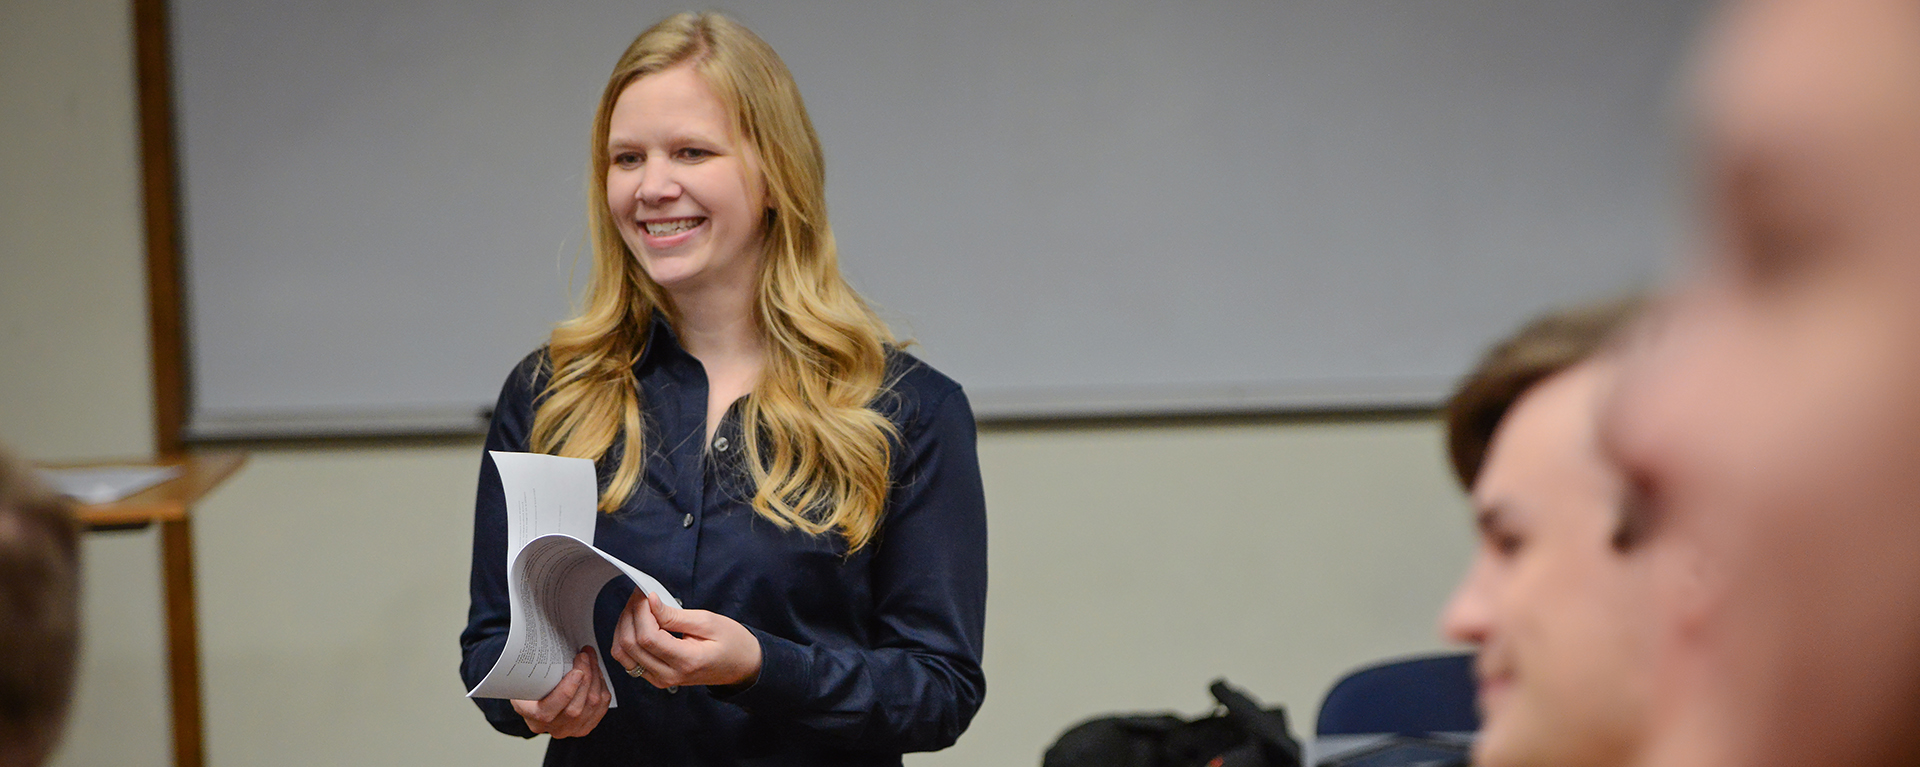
[1240, 734]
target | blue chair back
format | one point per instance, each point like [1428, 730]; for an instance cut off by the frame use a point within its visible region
[1413, 697]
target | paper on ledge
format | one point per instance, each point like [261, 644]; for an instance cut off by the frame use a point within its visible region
[106, 484]
[553, 574]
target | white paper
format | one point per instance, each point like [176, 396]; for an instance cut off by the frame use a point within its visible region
[553, 574]
[106, 484]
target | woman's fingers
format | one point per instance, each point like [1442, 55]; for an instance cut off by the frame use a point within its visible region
[589, 702]
[575, 706]
[667, 659]
[526, 710]
[668, 617]
[626, 646]
[644, 648]
[597, 699]
[551, 706]
[568, 724]
[558, 706]
[672, 646]
[709, 648]
[657, 622]
[645, 623]
[540, 714]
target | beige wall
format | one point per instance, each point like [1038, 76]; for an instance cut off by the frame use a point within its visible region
[1130, 566]
[73, 329]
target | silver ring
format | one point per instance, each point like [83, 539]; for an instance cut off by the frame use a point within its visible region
[637, 671]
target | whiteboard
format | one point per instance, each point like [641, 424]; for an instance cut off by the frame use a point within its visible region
[1074, 207]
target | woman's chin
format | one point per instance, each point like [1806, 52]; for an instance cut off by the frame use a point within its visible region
[670, 273]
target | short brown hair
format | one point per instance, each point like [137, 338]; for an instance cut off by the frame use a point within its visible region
[39, 612]
[1549, 344]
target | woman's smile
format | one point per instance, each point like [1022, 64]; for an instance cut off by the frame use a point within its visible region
[664, 233]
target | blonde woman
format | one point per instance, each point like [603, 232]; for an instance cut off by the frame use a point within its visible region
[809, 490]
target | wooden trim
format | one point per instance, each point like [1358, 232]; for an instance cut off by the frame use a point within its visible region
[122, 517]
[183, 642]
[160, 188]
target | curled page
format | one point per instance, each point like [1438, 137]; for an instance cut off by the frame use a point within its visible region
[553, 574]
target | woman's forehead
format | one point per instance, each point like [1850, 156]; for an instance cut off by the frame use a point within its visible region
[677, 91]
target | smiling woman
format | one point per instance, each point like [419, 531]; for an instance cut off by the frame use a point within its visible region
[684, 191]
[763, 446]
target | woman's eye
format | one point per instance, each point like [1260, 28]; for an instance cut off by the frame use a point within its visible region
[694, 155]
[627, 159]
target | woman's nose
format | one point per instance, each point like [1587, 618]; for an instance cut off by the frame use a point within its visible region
[657, 184]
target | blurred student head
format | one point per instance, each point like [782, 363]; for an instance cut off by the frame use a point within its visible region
[39, 615]
[1553, 601]
[1771, 422]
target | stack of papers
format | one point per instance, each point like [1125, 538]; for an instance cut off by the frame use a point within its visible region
[553, 574]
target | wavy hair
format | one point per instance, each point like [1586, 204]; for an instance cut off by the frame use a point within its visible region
[816, 448]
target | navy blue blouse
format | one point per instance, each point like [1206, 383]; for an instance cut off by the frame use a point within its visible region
[864, 657]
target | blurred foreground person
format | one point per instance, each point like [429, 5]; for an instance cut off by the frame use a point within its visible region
[1771, 421]
[39, 615]
[1555, 601]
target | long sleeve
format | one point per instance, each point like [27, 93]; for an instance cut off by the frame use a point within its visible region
[919, 683]
[487, 612]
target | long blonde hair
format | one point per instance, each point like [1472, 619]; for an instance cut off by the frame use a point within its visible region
[816, 448]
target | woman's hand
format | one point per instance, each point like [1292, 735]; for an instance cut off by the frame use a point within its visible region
[575, 705]
[671, 646]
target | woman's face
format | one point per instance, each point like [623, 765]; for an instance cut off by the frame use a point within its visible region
[684, 191]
